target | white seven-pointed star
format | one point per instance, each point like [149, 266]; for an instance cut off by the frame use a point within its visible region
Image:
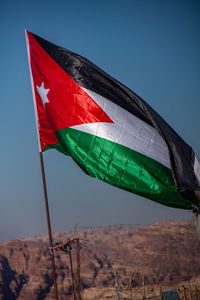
[43, 93]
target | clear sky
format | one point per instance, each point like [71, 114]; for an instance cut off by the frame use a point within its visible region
[152, 46]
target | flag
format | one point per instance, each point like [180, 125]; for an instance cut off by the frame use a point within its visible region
[108, 130]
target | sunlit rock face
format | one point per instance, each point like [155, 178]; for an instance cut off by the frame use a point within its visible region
[164, 253]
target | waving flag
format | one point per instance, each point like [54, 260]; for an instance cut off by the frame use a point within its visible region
[109, 131]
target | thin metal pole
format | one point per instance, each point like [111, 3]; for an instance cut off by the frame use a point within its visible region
[131, 288]
[49, 225]
[143, 287]
[72, 273]
[117, 287]
[78, 269]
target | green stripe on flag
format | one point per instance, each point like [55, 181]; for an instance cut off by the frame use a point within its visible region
[123, 167]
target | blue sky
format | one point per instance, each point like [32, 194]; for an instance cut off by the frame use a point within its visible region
[152, 46]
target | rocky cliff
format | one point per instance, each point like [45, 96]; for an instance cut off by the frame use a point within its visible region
[163, 253]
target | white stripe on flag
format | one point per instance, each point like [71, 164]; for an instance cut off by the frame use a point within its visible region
[127, 130]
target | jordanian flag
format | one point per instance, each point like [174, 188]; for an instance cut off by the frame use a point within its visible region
[108, 130]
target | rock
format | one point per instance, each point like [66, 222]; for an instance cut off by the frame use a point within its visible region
[164, 253]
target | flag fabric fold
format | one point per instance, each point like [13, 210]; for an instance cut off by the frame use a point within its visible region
[109, 131]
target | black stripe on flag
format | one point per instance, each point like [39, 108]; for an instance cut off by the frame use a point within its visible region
[91, 77]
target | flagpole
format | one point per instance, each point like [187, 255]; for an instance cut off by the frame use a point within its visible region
[43, 176]
[78, 269]
[49, 225]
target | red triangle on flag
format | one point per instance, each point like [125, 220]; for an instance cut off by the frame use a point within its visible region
[60, 101]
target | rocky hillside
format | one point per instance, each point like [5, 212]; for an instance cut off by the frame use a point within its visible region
[164, 253]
